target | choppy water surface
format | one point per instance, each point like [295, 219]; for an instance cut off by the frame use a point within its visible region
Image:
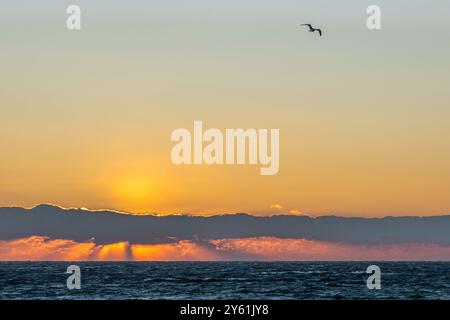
[224, 280]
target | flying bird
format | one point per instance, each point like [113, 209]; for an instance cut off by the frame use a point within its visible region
[311, 29]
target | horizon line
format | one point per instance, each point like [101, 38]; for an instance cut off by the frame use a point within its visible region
[155, 214]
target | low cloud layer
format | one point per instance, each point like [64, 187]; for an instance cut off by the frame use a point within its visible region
[49, 233]
[108, 227]
[38, 248]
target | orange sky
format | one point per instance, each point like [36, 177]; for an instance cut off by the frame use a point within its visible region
[364, 121]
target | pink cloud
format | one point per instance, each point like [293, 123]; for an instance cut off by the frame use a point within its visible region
[271, 248]
[37, 248]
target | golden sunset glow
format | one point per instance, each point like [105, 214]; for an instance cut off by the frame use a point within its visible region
[136, 192]
[87, 117]
[180, 251]
[112, 252]
[38, 248]
[136, 189]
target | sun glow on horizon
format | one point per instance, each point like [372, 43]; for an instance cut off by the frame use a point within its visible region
[137, 192]
[135, 188]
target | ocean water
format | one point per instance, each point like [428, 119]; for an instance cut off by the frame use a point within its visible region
[224, 280]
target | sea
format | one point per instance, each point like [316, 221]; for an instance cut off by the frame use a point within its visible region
[224, 280]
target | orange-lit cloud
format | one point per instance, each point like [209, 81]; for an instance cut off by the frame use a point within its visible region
[276, 206]
[271, 248]
[180, 251]
[112, 252]
[45, 249]
[37, 248]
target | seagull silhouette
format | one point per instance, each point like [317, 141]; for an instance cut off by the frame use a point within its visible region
[311, 29]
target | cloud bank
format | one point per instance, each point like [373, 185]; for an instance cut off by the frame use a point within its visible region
[51, 233]
[38, 248]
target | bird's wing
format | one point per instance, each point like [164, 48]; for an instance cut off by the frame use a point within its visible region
[307, 24]
[320, 32]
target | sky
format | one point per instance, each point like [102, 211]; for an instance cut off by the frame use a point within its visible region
[86, 116]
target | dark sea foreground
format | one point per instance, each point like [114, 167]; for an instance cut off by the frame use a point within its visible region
[225, 280]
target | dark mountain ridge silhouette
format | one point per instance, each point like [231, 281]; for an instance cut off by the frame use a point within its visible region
[109, 226]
